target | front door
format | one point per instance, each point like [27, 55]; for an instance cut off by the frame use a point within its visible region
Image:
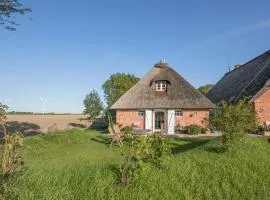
[159, 121]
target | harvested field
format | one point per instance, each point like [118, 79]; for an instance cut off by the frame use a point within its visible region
[43, 123]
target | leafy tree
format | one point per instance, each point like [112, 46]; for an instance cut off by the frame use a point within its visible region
[204, 89]
[9, 8]
[238, 118]
[3, 109]
[117, 85]
[93, 104]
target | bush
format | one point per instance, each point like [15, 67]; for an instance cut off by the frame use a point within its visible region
[238, 118]
[203, 130]
[131, 167]
[127, 130]
[138, 151]
[194, 129]
[160, 149]
[228, 139]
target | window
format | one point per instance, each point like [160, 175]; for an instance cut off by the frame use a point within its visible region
[140, 113]
[161, 86]
[178, 113]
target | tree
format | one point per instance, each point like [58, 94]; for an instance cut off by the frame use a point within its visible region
[93, 104]
[238, 118]
[204, 89]
[9, 8]
[117, 85]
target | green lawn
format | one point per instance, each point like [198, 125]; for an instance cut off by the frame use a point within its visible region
[79, 165]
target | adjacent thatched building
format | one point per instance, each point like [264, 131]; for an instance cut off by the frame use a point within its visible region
[248, 80]
[161, 100]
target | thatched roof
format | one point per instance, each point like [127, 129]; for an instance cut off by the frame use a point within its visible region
[180, 94]
[244, 81]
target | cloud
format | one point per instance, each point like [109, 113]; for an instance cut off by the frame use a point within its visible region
[227, 34]
[245, 29]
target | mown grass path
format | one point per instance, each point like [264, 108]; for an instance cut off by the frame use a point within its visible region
[79, 165]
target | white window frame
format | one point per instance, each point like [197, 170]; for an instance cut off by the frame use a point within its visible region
[178, 113]
[140, 113]
[161, 86]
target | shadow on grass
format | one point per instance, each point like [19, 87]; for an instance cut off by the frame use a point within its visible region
[101, 140]
[100, 125]
[192, 143]
[216, 149]
[77, 125]
[26, 128]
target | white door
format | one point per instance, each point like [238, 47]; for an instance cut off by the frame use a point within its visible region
[148, 119]
[171, 121]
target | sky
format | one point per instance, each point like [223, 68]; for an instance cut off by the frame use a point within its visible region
[64, 49]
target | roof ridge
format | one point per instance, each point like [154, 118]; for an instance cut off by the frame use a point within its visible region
[190, 85]
[268, 51]
[253, 79]
[234, 70]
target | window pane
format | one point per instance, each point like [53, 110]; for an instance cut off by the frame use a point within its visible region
[178, 113]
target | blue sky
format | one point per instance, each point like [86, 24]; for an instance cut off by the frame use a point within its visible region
[64, 49]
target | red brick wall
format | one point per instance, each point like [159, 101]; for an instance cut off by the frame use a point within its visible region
[129, 118]
[193, 117]
[262, 106]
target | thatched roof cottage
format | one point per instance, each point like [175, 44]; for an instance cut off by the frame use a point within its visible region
[251, 80]
[161, 100]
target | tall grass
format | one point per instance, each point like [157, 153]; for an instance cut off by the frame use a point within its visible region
[79, 165]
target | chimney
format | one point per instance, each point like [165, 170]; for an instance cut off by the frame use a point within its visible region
[237, 66]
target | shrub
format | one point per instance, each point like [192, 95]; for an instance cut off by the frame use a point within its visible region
[131, 167]
[203, 130]
[159, 149]
[134, 153]
[12, 158]
[194, 129]
[127, 130]
[228, 139]
[237, 118]
[137, 152]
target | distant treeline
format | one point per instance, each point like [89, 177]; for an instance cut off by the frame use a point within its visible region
[32, 113]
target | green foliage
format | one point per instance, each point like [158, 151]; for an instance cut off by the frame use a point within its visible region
[160, 149]
[117, 85]
[229, 139]
[132, 166]
[12, 158]
[194, 129]
[78, 165]
[3, 109]
[93, 104]
[9, 8]
[238, 118]
[140, 151]
[204, 89]
[203, 130]
[127, 130]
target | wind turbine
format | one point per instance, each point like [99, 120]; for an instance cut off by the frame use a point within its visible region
[44, 101]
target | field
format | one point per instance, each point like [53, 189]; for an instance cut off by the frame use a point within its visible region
[80, 165]
[41, 123]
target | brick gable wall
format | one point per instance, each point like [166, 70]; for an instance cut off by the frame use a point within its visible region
[262, 106]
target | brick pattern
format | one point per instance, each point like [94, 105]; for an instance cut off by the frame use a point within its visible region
[262, 106]
[130, 117]
[199, 117]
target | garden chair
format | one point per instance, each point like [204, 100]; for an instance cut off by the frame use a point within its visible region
[182, 126]
[115, 136]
